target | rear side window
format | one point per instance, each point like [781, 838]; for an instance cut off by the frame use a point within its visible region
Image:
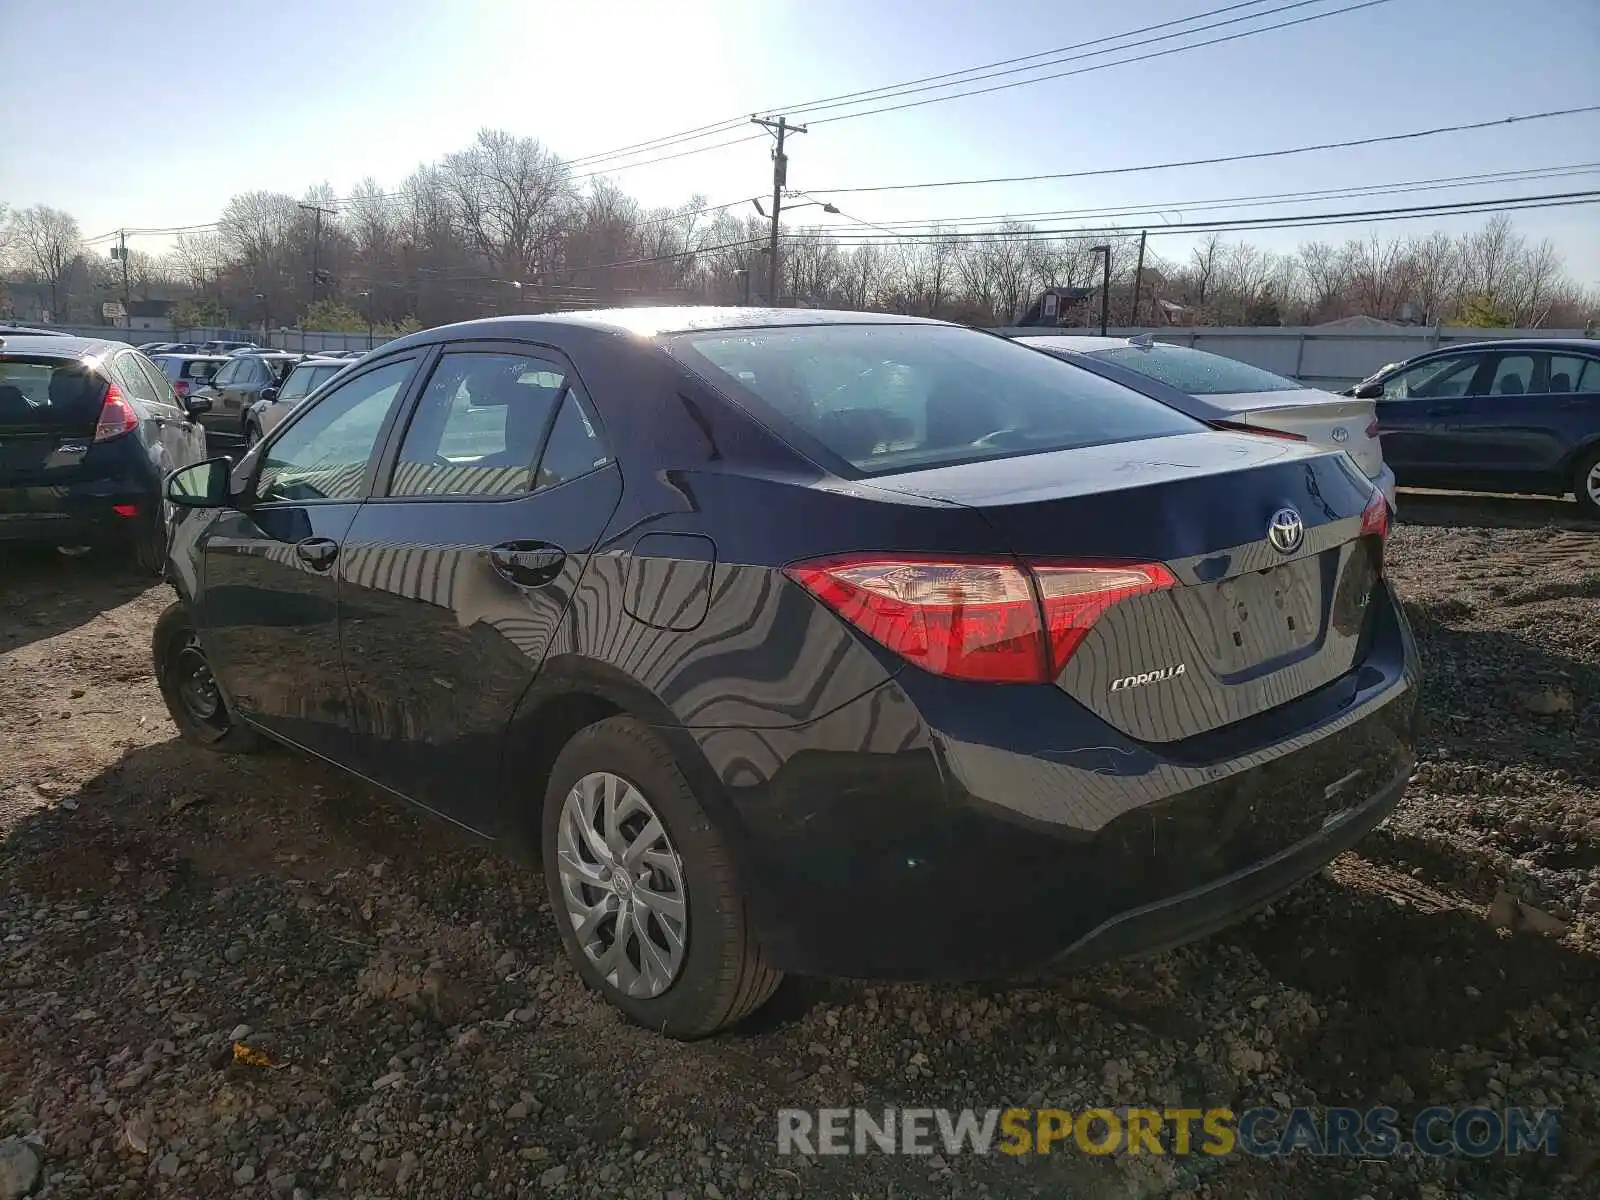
[199, 369]
[1196, 371]
[297, 385]
[902, 397]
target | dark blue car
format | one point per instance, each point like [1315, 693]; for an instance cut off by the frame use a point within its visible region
[825, 642]
[1520, 415]
[88, 430]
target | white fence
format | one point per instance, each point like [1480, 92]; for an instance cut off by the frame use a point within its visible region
[1320, 357]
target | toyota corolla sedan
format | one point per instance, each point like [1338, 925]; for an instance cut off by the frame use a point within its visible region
[804, 641]
[1228, 394]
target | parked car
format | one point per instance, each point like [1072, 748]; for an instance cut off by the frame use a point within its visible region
[829, 642]
[88, 429]
[1228, 394]
[1521, 415]
[189, 372]
[150, 348]
[277, 402]
[238, 384]
[223, 346]
[28, 331]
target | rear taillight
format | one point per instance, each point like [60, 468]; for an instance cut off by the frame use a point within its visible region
[1375, 517]
[116, 416]
[181, 387]
[994, 620]
[1258, 430]
[1372, 429]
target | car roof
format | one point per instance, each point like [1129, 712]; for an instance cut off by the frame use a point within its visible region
[653, 322]
[1589, 344]
[188, 355]
[59, 346]
[1082, 343]
[317, 360]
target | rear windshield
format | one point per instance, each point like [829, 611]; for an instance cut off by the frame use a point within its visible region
[902, 397]
[1195, 371]
[48, 394]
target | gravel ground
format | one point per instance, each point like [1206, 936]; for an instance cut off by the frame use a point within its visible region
[421, 1034]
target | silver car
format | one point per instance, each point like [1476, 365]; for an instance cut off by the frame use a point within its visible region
[276, 403]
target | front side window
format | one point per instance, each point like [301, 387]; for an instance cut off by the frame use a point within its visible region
[478, 426]
[903, 397]
[1436, 379]
[324, 454]
[226, 376]
[297, 385]
[1589, 381]
[1196, 371]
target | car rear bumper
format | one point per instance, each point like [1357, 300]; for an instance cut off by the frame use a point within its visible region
[85, 515]
[924, 831]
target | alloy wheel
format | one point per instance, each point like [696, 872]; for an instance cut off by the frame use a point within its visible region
[1591, 484]
[622, 885]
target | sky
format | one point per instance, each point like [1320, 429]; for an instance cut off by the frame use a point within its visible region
[176, 106]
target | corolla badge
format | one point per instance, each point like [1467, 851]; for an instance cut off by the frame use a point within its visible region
[1160, 676]
[1286, 531]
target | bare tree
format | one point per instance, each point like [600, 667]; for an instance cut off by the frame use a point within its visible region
[1325, 272]
[49, 242]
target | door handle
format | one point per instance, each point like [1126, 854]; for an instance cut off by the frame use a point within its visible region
[528, 564]
[318, 553]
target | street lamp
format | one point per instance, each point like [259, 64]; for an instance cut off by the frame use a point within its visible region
[772, 247]
[1105, 285]
[266, 317]
[367, 295]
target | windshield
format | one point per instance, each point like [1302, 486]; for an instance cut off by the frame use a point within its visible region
[1195, 371]
[901, 397]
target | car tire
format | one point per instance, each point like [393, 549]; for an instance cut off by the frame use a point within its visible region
[718, 976]
[1586, 485]
[193, 700]
[150, 547]
[252, 435]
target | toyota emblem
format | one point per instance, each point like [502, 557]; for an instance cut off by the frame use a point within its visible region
[1286, 531]
[1341, 434]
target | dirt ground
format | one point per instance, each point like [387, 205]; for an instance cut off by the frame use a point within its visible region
[421, 1034]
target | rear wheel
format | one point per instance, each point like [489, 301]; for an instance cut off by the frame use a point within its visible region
[1586, 484]
[643, 887]
[252, 435]
[190, 690]
[150, 546]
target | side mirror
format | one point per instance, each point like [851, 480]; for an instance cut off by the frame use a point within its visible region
[196, 405]
[1369, 391]
[269, 394]
[202, 485]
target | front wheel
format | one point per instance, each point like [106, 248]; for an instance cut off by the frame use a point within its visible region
[643, 887]
[252, 435]
[1586, 485]
[190, 690]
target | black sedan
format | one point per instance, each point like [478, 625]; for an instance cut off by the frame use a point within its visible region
[1520, 415]
[808, 641]
[88, 430]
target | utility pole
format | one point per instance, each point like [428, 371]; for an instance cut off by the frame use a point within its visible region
[1105, 285]
[122, 253]
[1138, 278]
[316, 247]
[780, 179]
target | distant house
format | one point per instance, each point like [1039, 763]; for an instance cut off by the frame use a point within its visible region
[150, 315]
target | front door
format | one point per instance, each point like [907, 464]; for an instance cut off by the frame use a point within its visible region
[454, 583]
[268, 611]
[1416, 413]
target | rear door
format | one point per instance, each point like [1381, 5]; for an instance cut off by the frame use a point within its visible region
[1415, 414]
[267, 610]
[454, 581]
[218, 389]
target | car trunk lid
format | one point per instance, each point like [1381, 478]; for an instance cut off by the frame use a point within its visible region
[1253, 619]
[49, 408]
[1321, 418]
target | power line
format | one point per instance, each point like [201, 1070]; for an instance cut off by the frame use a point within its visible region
[1292, 221]
[1121, 62]
[1221, 158]
[932, 82]
[1527, 174]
